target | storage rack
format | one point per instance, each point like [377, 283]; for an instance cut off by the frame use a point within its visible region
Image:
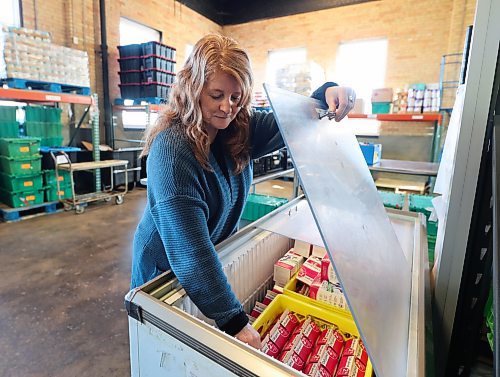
[54, 99]
[437, 119]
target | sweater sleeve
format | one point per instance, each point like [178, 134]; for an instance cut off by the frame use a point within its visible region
[180, 214]
[182, 224]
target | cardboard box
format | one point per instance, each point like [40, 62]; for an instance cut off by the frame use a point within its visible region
[318, 251]
[286, 267]
[382, 95]
[302, 248]
[359, 106]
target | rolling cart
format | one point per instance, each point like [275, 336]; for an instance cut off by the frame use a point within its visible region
[78, 202]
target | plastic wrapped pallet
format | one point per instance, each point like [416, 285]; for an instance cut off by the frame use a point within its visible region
[301, 78]
[30, 55]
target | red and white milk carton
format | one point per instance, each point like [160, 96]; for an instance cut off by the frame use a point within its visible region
[309, 270]
[286, 267]
[289, 321]
[311, 331]
[349, 366]
[269, 348]
[279, 335]
[292, 359]
[302, 346]
[333, 339]
[327, 272]
[355, 347]
[317, 370]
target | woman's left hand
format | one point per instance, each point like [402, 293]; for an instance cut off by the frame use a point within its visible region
[340, 99]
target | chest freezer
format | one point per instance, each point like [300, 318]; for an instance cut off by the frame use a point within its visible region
[380, 259]
[169, 337]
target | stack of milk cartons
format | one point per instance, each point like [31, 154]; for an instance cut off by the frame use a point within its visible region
[30, 55]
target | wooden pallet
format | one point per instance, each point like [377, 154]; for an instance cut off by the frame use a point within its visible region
[8, 214]
[46, 86]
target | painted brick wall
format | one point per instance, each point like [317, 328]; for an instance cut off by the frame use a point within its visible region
[418, 34]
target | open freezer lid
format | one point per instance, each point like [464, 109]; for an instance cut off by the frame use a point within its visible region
[370, 264]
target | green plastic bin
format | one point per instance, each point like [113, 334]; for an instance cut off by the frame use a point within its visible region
[392, 199]
[8, 113]
[35, 129]
[21, 166]
[421, 203]
[432, 227]
[34, 114]
[53, 114]
[53, 129]
[260, 205]
[381, 107]
[50, 179]
[51, 193]
[25, 182]
[21, 198]
[9, 128]
[19, 147]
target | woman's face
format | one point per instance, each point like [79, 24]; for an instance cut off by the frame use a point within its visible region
[220, 99]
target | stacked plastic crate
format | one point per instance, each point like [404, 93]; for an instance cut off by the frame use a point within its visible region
[20, 164]
[146, 70]
[423, 204]
[44, 123]
[392, 199]
[57, 185]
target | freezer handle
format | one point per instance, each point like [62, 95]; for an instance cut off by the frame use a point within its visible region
[134, 310]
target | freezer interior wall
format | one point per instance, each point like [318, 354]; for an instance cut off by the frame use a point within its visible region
[249, 269]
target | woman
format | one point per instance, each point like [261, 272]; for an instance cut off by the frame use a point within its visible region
[199, 175]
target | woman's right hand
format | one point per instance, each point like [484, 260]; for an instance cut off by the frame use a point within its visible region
[250, 336]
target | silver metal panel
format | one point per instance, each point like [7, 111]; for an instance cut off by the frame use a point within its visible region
[367, 257]
[296, 222]
[479, 82]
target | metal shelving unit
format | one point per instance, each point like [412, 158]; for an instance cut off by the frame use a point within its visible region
[54, 99]
[435, 118]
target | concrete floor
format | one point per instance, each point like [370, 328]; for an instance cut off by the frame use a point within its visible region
[63, 280]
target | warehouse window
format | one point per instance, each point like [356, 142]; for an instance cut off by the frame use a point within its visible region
[362, 66]
[279, 60]
[10, 14]
[133, 32]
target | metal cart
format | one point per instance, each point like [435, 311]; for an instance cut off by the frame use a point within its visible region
[78, 202]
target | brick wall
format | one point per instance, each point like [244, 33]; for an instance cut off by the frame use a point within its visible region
[418, 32]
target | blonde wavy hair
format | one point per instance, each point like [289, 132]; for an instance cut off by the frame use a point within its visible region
[211, 54]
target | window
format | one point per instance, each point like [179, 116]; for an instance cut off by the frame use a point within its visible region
[10, 14]
[362, 66]
[133, 32]
[277, 60]
[188, 51]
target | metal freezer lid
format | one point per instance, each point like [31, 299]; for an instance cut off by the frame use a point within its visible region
[374, 272]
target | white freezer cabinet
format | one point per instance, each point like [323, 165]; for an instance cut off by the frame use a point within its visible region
[170, 337]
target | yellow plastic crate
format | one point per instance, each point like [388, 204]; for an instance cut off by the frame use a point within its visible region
[282, 302]
[290, 288]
